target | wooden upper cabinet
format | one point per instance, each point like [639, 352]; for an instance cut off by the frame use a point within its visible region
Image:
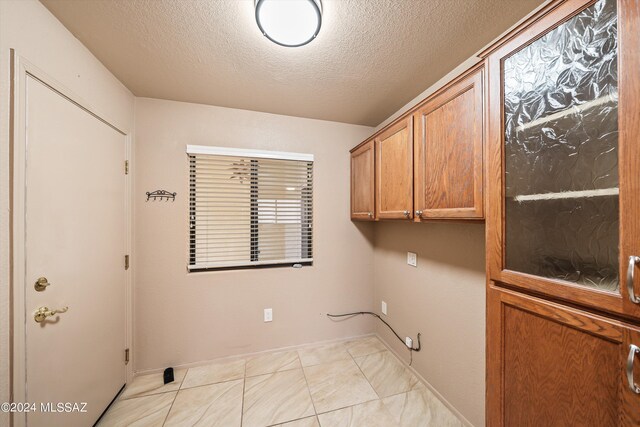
[449, 140]
[428, 163]
[563, 202]
[362, 182]
[394, 171]
[552, 365]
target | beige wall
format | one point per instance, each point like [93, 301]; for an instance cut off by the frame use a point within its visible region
[443, 298]
[185, 317]
[30, 29]
[182, 318]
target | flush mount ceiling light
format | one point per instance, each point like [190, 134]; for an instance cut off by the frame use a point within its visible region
[290, 23]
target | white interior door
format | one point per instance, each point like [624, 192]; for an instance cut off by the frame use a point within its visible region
[75, 238]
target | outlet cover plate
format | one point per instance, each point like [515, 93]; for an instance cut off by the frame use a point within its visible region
[384, 308]
[412, 259]
[268, 314]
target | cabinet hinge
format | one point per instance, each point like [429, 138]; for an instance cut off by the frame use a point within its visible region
[126, 167]
[126, 262]
[126, 356]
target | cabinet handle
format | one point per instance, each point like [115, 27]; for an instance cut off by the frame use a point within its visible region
[633, 350]
[418, 213]
[406, 213]
[370, 214]
[633, 260]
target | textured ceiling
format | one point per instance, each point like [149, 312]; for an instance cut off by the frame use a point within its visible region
[370, 58]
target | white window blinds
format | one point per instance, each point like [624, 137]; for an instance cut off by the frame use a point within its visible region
[249, 208]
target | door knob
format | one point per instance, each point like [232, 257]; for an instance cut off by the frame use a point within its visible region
[44, 312]
[41, 284]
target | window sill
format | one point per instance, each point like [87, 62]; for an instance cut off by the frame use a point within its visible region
[250, 267]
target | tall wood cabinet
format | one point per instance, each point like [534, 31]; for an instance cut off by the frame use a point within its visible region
[563, 218]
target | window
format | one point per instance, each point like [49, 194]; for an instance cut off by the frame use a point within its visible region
[249, 208]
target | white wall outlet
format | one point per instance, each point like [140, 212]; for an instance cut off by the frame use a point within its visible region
[412, 259]
[268, 314]
[409, 342]
[384, 308]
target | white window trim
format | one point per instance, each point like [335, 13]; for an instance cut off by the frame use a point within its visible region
[232, 265]
[240, 152]
[195, 150]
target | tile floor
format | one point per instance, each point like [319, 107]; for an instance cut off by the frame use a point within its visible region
[356, 383]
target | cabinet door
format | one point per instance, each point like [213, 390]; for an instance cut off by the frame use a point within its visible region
[564, 187]
[394, 172]
[449, 144]
[362, 182]
[551, 365]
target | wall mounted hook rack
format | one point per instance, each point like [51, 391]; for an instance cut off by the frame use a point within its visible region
[162, 195]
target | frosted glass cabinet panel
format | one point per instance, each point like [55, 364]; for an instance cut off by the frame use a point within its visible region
[561, 152]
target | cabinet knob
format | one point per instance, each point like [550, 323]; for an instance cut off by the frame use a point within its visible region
[406, 213]
[633, 260]
[418, 213]
[370, 214]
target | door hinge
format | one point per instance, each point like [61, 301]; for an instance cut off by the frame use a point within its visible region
[126, 356]
[126, 262]
[126, 167]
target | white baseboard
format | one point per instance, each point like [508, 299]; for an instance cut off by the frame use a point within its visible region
[245, 355]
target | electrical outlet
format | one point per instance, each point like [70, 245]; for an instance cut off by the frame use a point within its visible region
[268, 314]
[409, 342]
[412, 259]
[384, 308]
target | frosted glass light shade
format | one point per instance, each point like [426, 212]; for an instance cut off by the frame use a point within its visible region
[289, 23]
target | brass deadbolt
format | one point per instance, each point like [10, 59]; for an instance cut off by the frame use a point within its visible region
[41, 284]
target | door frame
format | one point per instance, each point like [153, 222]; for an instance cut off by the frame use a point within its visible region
[21, 68]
